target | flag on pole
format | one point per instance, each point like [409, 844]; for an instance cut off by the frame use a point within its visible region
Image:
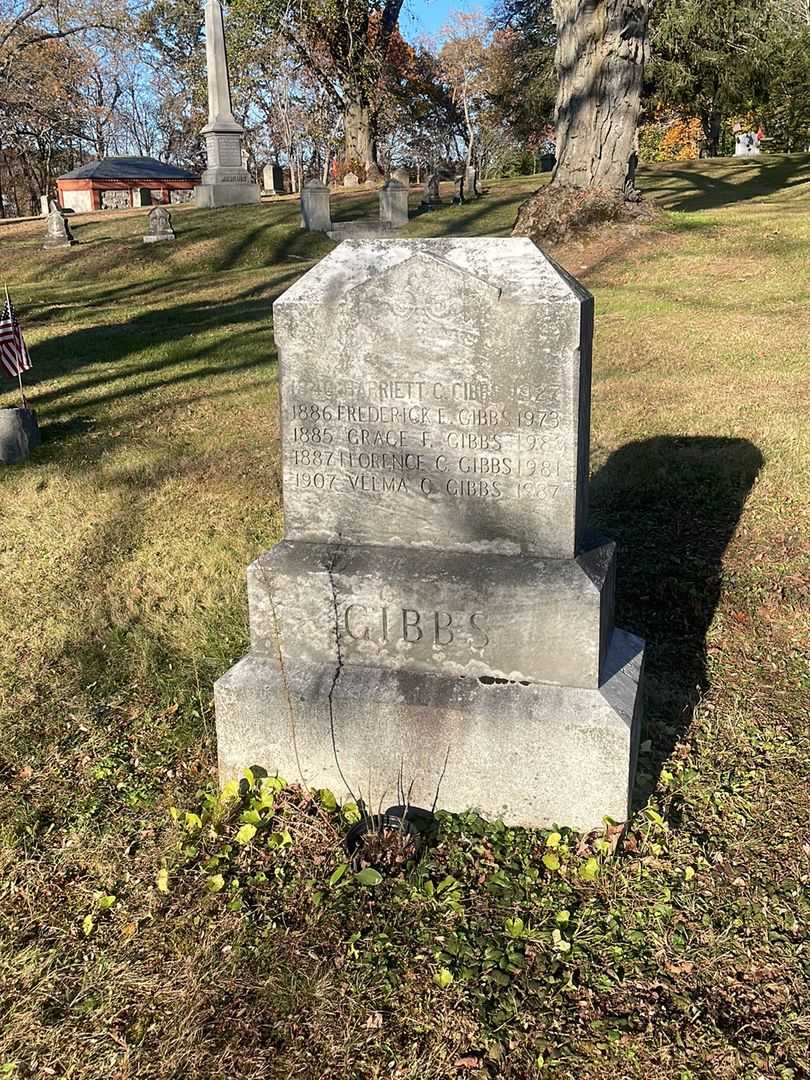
[14, 358]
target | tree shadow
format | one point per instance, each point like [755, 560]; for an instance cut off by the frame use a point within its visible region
[672, 504]
[692, 186]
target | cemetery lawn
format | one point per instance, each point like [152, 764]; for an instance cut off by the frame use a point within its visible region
[139, 943]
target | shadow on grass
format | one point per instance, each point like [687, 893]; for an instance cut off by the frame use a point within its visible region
[672, 504]
[733, 180]
[155, 329]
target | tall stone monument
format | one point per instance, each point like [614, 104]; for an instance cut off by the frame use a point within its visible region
[437, 617]
[226, 181]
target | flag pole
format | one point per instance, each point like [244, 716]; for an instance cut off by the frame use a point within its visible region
[19, 369]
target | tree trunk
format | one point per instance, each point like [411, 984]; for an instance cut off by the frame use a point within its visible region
[601, 49]
[711, 122]
[358, 122]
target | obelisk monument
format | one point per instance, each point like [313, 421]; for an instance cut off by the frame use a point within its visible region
[226, 181]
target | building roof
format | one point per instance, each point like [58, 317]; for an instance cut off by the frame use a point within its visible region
[129, 168]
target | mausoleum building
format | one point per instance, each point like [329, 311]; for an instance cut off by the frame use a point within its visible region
[118, 183]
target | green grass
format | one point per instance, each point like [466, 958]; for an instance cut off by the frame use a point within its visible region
[123, 544]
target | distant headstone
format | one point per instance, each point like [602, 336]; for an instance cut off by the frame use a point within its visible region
[351, 180]
[58, 233]
[44, 203]
[272, 180]
[402, 175]
[316, 215]
[394, 204]
[160, 226]
[430, 196]
[19, 434]
[437, 619]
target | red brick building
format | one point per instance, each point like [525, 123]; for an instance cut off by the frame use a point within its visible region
[115, 183]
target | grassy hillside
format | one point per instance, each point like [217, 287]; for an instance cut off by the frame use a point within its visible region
[123, 544]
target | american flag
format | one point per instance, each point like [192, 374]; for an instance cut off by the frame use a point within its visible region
[14, 358]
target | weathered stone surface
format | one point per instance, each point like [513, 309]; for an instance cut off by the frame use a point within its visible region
[473, 354]
[436, 615]
[58, 233]
[315, 213]
[273, 180]
[19, 434]
[394, 204]
[430, 196]
[403, 176]
[226, 182]
[160, 226]
[535, 755]
[351, 180]
[526, 620]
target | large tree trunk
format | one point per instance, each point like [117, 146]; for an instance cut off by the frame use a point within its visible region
[358, 121]
[601, 49]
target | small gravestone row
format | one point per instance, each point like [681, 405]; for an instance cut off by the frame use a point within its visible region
[316, 212]
[58, 233]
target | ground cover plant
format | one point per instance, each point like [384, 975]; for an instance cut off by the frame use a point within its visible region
[150, 927]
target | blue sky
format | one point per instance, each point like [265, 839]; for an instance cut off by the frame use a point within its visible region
[429, 16]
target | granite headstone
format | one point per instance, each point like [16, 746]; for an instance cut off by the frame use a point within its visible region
[394, 204]
[431, 199]
[437, 614]
[160, 226]
[316, 215]
[58, 233]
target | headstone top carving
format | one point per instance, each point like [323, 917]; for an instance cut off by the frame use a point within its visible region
[160, 225]
[58, 232]
[480, 440]
[431, 196]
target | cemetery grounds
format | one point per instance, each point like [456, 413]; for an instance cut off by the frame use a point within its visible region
[144, 931]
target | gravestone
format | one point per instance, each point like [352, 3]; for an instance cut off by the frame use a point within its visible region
[19, 434]
[403, 176]
[351, 180]
[315, 213]
[160, 226]
[273, 180]
[394, 204]
[58, 233]
[44, 204]
[437, 618]
[431, 199]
